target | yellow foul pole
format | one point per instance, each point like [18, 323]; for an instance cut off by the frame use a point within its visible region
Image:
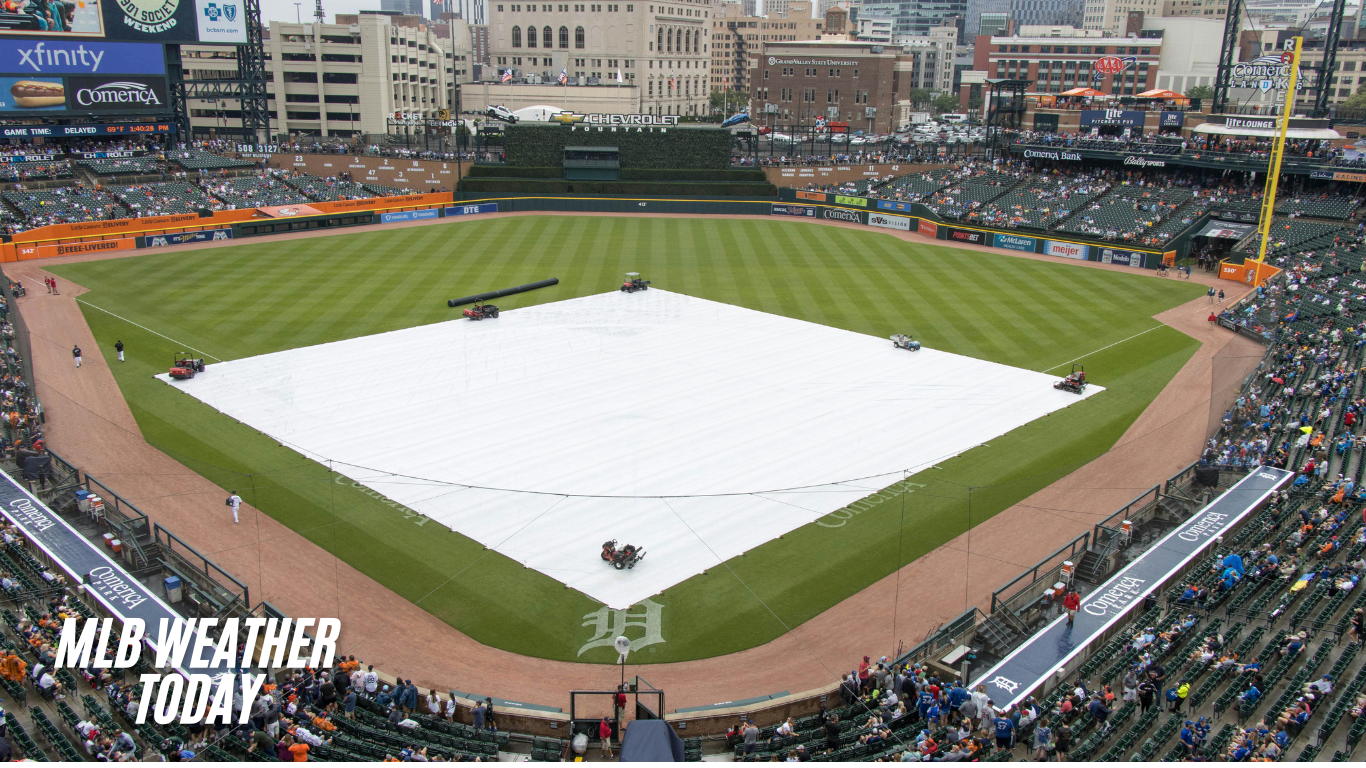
[1274, 169]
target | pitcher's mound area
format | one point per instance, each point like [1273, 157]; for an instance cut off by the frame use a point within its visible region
[693, 429]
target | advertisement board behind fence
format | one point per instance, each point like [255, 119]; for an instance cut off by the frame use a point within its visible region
[1116, 256]
[902, 223]
[427, 213]
[204, 235]
[1066, 250]
[839, 214]
[1014, 242]
[967, 236]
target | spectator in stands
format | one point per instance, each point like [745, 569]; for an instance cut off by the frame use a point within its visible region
[1005, 730]
[832, 732]
[47, 685]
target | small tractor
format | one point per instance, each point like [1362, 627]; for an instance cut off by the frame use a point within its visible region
[626, 557]
[633, 283]
[902, 341]
[1075, 381]
[481, 311]
[186, 367]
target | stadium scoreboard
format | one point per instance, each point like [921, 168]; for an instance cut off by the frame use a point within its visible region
[92, 59]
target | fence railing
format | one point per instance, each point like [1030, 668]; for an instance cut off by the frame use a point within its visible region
[951, 635]
[131, 523]
[1050, 566]
[65, 475]
[188, 563]
[1139, 507]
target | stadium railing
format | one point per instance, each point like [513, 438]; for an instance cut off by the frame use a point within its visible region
[216, 596]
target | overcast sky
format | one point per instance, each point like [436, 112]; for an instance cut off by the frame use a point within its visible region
[284, 10]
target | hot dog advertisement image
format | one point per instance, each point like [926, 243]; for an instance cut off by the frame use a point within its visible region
[31, 95]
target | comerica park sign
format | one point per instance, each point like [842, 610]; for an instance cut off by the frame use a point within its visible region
[1265, 73]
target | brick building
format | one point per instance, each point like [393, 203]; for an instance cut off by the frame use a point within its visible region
[734, 37]
[1061, 63]
[796, 83]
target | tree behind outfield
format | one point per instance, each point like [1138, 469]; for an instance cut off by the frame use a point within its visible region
[920, 96]
[1356, 100]
[736, 99]
[946, 103]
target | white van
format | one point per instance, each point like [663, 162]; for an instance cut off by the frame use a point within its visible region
[951, 117]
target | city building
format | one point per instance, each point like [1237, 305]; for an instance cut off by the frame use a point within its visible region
[1190, 51]
[823, 6]
[339, 80]
[874, 29]
[1118, 18]
[991, 23]
[404, 7]
[972, 22]
[471, 11]
[1349, 73]
[926, 61]
[606, 99]
[1022, 12]
[1215, 9]
[918, 17]
[1290, 13]
[836, 20]
[735, 36]
[1065, 60]
[660, 46]
[460, 38]
[844, 80]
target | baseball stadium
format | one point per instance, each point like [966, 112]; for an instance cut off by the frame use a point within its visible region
[646, 436]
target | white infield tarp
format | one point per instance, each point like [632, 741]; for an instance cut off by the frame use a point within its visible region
[694, 429]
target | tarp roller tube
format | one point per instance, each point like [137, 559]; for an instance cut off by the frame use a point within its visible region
[505, 292]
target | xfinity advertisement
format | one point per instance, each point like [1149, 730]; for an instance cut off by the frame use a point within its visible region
[63, 57]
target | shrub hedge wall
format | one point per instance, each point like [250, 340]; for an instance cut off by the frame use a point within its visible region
[542, 146]
[656, 188]
[627, 174]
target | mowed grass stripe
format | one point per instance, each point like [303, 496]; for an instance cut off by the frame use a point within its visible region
[361, 283]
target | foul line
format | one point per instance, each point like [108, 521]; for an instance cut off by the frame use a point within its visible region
[162, 335]
[1107, 346]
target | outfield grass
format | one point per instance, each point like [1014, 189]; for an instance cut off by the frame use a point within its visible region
[264, 297]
